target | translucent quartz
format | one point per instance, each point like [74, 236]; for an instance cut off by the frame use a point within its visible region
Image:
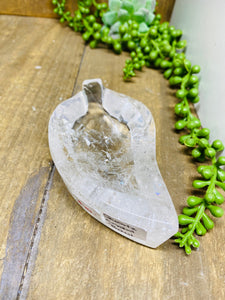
[103, 145]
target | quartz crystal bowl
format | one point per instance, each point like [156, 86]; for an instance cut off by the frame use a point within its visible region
[103, 146]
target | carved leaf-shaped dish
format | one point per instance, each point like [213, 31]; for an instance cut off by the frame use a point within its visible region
[103, 146]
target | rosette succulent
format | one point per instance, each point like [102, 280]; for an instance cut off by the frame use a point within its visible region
[120, 11]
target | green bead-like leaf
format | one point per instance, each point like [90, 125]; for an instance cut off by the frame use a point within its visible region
[187, 249]
[185, 229]
[196, 153]
[195, 69]
[177, 63]
[207, 221]
[207, 172]
[157, 62]
[200, 229]
[194, 124]
[187, 65]
[221, 184]
[193, 80]
[210, 197]
[219, 199]
[190, 142]
[195, 243]
[210, 152]
[185, 111]
[165, 64]
[180, 94]
[198, 184]
[178, 241]
[168, 73]
[216, 211]
[153, 55]
[183, 138]
[193, 93]
[204, 133]
[181, 44]
[185, 220]
[221, 161]
[179, 125]
[188, 211]
[178, 107]
[203, 143]
[220, 175]
[193, 201]
[177, 80]
[178, 234]
[218, 145]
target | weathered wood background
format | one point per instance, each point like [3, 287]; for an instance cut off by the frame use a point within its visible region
[49, 247]
[43, 8]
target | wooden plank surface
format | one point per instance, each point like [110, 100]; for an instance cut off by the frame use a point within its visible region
[35, 8]
[44, 8]
[79, 258]
[39, 63]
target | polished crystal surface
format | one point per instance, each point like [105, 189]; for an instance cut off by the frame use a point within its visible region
[103, 145]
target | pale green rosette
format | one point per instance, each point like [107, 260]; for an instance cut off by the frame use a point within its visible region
[120, 11]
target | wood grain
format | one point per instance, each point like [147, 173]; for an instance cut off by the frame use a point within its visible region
[39, 63]
[165, 8]
[44, 8]
[79, 258]
[35, 8]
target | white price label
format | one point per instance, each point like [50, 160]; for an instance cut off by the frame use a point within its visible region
[126, 229]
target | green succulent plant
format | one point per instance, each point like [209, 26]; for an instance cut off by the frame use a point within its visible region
[120, 11]
[160, 47]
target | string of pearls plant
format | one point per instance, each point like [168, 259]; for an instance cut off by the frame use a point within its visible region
[126, 26]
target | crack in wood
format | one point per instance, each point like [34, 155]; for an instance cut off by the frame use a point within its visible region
[36, 235]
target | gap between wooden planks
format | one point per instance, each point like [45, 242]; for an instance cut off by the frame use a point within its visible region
[39, 64]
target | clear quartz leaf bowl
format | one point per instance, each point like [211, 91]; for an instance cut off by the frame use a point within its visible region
[103, 146]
